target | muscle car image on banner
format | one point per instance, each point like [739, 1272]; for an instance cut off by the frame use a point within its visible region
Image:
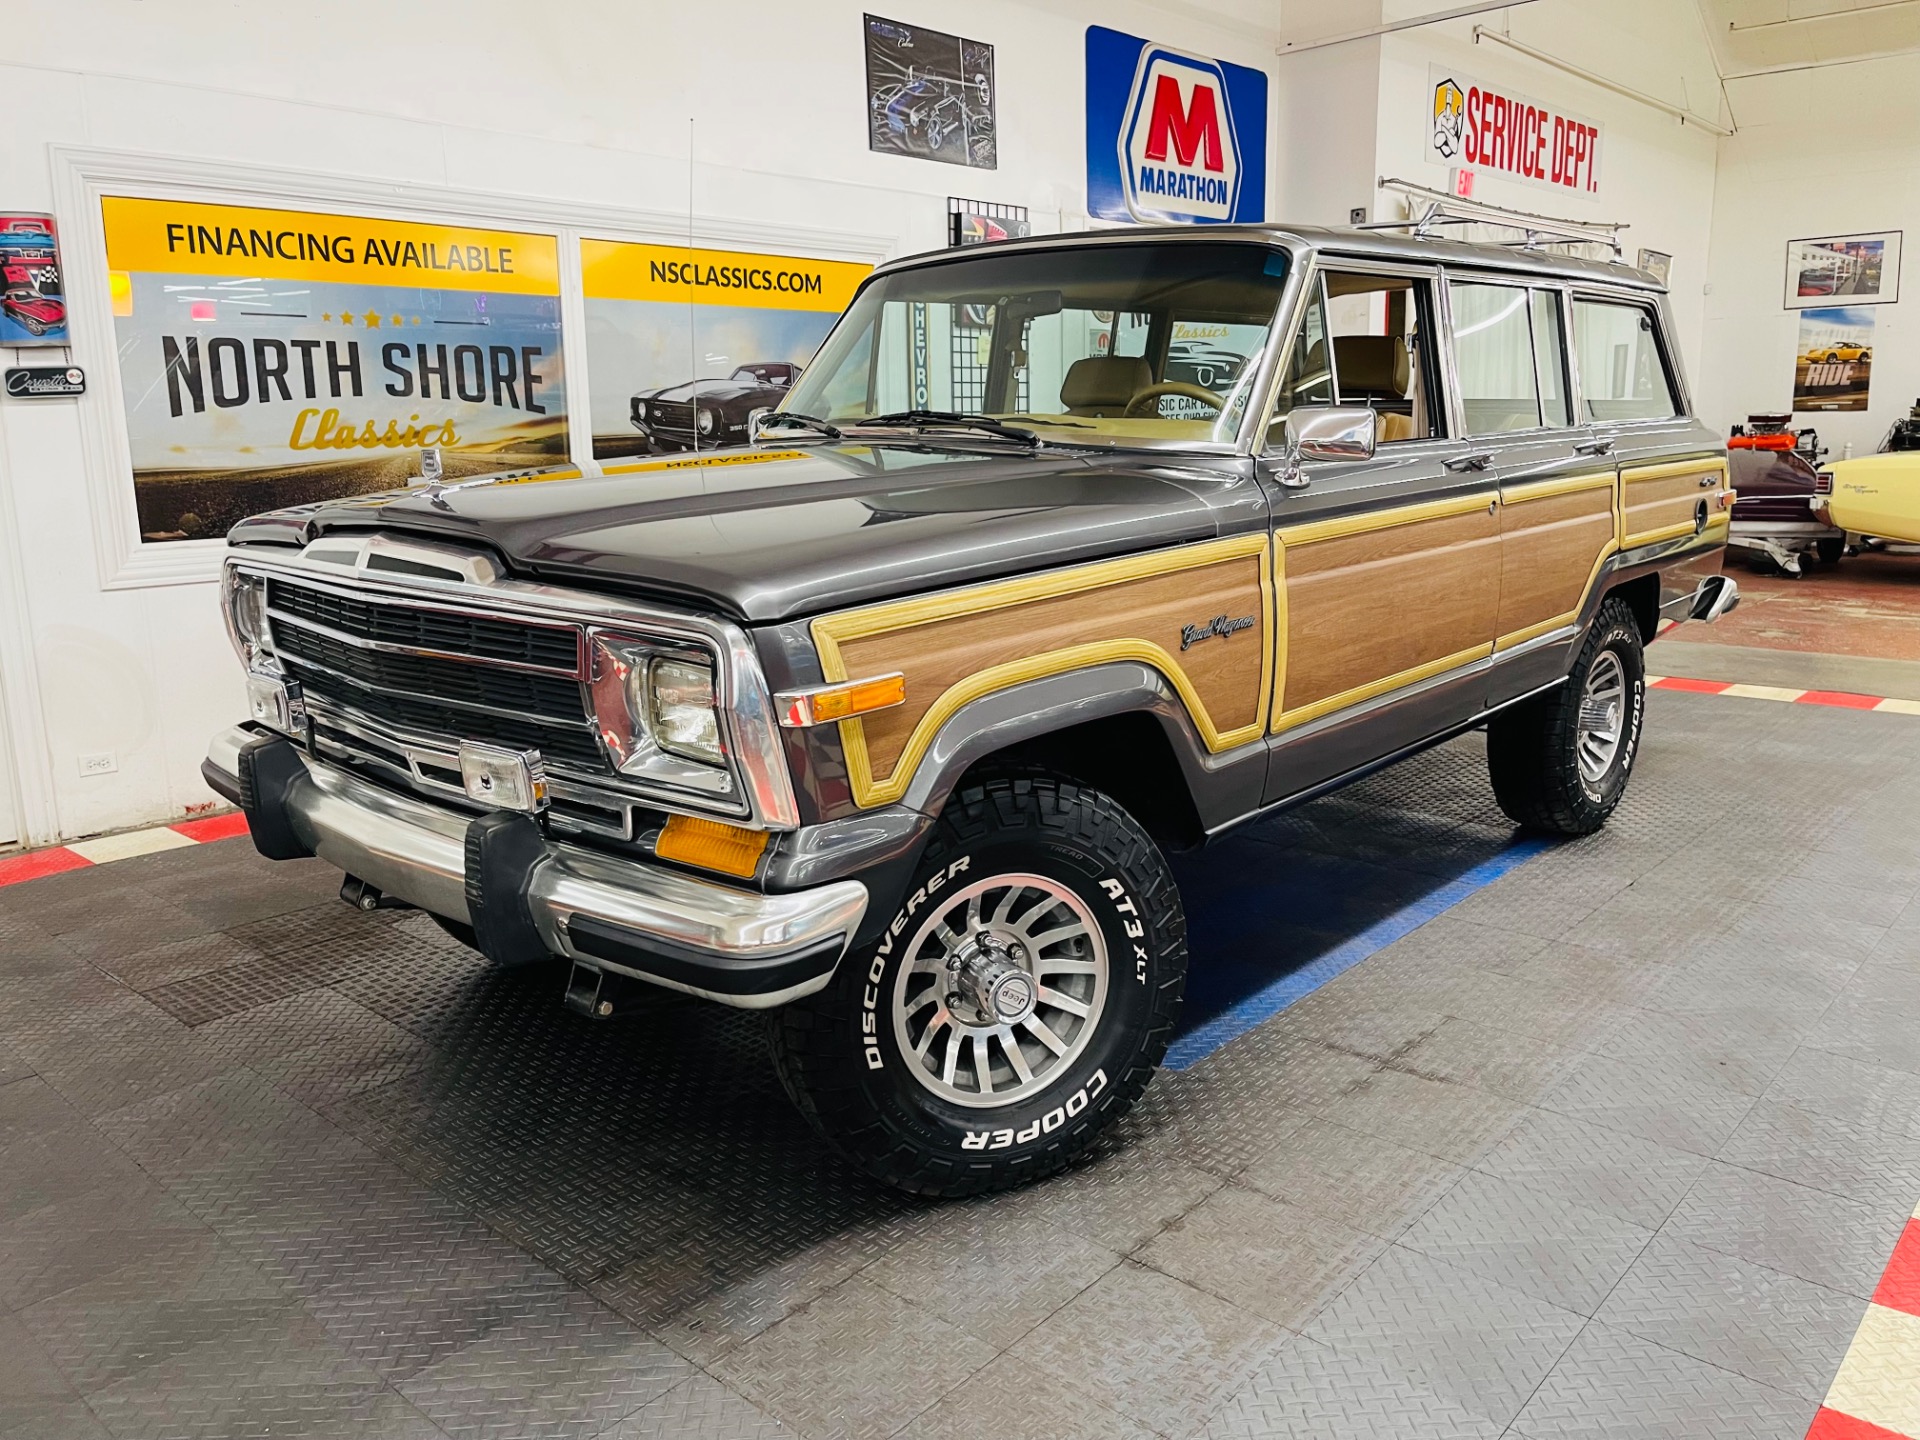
[33, 302]
[929, 95]
[274, 357]
[1834, 361]
[683, 345]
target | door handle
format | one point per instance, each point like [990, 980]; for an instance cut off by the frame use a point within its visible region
[1593, 447]
[1478, 461]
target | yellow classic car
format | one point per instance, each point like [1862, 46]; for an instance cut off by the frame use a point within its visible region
[1838, 351]
[1876, 495]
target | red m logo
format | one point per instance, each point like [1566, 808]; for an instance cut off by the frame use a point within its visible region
[1185, 126]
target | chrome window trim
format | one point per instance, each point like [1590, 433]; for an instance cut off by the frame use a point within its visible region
[746, 704]
[1654, 302]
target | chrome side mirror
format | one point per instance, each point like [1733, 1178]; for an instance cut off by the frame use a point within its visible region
[1326, 432]
[755, 418]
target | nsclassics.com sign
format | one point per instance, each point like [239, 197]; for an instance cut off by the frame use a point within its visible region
[1172, 136]
[1489, 127]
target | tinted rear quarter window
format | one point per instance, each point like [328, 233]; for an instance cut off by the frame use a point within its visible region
[1623, 375]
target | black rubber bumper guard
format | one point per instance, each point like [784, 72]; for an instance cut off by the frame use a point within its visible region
[503, 849]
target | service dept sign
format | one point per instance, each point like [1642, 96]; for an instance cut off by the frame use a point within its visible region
[1172, 136]
[1476, 126]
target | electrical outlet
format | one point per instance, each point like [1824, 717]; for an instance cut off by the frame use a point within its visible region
[101, 764]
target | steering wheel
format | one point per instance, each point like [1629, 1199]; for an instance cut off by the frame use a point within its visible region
[1146, 402]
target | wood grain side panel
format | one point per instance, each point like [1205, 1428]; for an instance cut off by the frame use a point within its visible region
[1361, 608]
[1549, 548]
[938, 655]
[1662, 499]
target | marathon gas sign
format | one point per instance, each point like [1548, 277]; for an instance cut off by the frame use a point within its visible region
[1498, 131]
[1172, 136]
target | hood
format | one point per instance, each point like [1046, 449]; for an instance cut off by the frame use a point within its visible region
[768, 534]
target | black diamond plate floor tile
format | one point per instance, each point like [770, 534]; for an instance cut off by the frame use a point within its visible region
[269, 1165]
[1616, 1386]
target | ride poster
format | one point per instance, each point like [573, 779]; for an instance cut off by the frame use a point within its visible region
[673, 332]
[33, 299]
[1834, 362]
[278, 357]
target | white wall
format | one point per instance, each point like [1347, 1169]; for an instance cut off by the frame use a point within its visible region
[1833, 151]
[1656, 174]
[752, 113]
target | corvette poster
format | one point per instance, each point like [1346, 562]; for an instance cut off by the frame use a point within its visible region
[277, 357]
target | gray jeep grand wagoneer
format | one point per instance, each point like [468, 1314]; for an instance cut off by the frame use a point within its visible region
[884, 721]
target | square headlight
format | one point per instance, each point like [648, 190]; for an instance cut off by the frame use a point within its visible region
[680, 704]
[657, 710]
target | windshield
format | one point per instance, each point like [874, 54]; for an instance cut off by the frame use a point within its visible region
[1108, 344]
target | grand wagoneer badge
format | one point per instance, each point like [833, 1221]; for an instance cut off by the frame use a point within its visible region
[1221, 625]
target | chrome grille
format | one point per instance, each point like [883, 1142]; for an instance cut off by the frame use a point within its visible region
[547, 647]
[438, 674]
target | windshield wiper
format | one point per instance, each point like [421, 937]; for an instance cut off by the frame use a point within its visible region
[953, 419]
[794, 417]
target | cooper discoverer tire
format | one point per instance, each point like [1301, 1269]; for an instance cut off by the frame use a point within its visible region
[1037, 900]
[1560, 761]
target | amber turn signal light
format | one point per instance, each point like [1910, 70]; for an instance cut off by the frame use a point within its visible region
[711, 845]
[827, 703]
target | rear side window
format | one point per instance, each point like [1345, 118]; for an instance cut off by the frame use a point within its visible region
[1623, 376]
[1493, 350]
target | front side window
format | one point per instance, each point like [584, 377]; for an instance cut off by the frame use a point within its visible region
[1493, 352]
[1105, 344]
[1622, 374]
[1365, 341]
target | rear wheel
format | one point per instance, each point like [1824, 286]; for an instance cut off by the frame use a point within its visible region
[1016, 1004]
[1560, 761]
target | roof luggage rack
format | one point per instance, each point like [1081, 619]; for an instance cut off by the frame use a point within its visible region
[1437, 209]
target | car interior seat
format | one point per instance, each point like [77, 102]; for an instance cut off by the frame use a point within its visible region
[1376, 371]
[1103, 385]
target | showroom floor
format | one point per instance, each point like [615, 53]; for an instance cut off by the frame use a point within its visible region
[1618, 1145]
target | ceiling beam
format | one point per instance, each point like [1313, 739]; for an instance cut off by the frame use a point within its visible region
[1680, 113]
[1459, 12]
[1735, 28]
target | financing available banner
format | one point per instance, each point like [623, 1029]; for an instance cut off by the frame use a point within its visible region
[673, 331]
[277, 357]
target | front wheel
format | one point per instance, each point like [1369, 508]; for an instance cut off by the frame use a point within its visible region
[1013, 1008]
[1560, 761]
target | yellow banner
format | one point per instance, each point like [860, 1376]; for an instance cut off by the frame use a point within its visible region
[618, 270]
[176, 237]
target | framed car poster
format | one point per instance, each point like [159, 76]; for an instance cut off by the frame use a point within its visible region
[1833, 364]
[1844, 270]
[677, 334]
[33, 302]
[276, 357]
[929, 95]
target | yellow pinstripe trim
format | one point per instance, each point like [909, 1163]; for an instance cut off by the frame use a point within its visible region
[1566, 485]
[1316, 530]
[1360, 694]
[1661, 472]
[830, 632]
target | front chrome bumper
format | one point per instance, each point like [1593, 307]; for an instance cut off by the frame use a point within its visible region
[739, 947]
